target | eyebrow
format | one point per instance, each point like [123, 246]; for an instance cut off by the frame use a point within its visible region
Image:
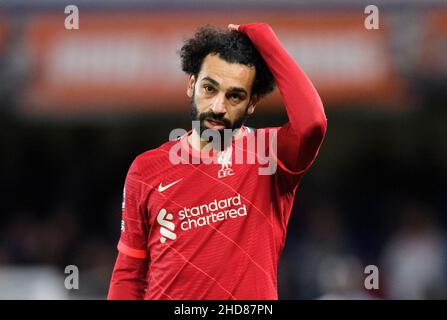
[232, 89]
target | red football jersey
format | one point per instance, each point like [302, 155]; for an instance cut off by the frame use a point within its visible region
[201, 230]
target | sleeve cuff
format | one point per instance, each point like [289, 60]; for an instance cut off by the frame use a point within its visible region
[131, 252]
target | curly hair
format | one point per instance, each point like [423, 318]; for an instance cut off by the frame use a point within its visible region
[233, 47]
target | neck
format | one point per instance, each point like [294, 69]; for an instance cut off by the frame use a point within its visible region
[198, 143]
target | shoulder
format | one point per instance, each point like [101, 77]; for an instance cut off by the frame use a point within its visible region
[153, 160]
[260, 132]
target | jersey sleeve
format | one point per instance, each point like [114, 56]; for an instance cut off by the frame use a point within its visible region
[299, 140]
[134, 223]
[128, 281]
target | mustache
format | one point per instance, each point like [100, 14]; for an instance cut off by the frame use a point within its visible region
[212, 116]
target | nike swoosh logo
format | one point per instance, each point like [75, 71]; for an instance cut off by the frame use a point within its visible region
[162, 188]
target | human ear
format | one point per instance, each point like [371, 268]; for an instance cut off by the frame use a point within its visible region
[252, 104]
[190, 88]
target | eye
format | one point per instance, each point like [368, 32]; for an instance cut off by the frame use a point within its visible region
[234, 96]
[208, 89]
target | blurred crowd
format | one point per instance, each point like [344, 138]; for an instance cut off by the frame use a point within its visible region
[327, 262]
[325, 257]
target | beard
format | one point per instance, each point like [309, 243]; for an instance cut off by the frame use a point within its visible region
[201, 117]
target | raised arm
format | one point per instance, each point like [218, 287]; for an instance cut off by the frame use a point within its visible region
[299, 140]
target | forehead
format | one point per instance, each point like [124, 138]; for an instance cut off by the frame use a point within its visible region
[227, 74]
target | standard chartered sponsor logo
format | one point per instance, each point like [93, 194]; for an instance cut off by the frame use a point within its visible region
[214, 211]
[167, 226]
[201, 215]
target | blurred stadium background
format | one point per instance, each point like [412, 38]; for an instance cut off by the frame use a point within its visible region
[77, 106]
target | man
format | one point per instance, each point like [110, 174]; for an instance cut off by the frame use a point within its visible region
[215, 229]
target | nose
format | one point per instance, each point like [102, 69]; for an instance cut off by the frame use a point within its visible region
[218, 106]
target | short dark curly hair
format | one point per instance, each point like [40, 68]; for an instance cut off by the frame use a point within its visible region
[233, 47]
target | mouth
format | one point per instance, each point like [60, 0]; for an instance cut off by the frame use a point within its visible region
[214, 124]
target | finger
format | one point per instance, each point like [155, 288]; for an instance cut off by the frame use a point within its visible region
[233, 27]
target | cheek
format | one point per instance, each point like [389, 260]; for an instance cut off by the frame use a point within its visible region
[200, 102]
[237, 112]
